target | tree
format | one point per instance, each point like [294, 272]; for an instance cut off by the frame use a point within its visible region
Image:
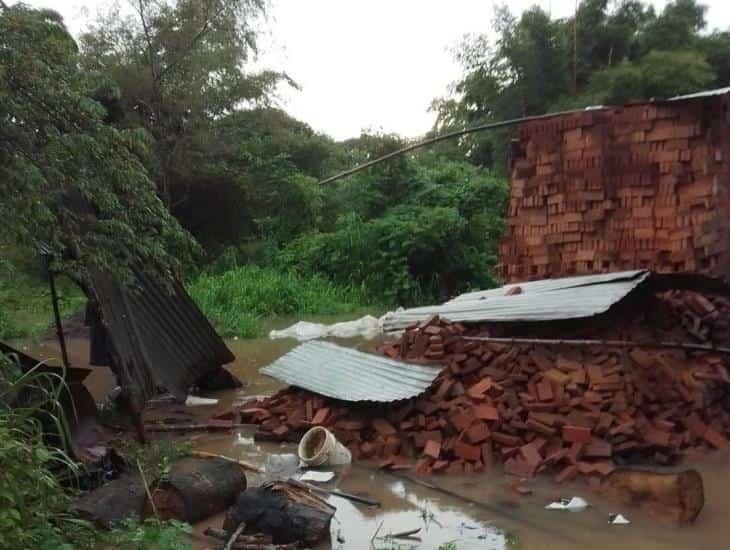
[179, 66]
[72, 184]
[607, 53]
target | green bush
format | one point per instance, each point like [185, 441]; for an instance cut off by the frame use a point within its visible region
[238, 299]
[25, 302]
[33, 505]
[440, 241]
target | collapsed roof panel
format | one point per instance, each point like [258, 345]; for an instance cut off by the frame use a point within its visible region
[157, 335]
[548, 300]
[350, 375]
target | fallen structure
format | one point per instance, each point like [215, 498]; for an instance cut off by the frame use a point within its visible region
[153, 335]
[609, 189]
[645, 381]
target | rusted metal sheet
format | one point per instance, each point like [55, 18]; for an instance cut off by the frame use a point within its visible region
[349, 374]
[158, 338]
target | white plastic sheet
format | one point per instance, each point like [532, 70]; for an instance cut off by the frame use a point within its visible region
[366, 327]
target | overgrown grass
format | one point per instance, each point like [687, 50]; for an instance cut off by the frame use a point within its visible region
[34, 506]
[239, 300]
[25, 302]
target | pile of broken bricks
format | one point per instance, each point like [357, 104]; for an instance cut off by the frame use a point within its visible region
[569, 410]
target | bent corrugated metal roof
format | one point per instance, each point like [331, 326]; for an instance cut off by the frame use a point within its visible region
[157, 335]
[349, 374]
[545, 300]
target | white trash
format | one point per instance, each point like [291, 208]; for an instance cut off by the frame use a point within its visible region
[319, 447]
[575, 504]
[618, 519]
[367, 327]
[195, 401]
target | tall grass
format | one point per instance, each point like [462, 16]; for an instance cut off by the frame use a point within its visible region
[239, 300]
[25, 302]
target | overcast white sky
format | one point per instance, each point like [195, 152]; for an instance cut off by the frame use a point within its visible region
[373, 64]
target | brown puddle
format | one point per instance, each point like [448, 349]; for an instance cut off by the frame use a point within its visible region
[502, 519]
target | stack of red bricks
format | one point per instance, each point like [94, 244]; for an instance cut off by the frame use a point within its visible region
[569, 410]
[642, 186]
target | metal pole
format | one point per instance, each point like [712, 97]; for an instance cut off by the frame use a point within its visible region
[449, 135]
[57, 315]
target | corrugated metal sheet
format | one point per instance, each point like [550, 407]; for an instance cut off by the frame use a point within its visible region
[546, 300]
[350, 375]
[706, 93]
[548, 285]
[157, 335]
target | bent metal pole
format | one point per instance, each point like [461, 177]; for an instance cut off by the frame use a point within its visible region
[451, 135]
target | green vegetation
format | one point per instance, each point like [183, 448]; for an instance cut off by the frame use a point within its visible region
[25, 302]
[238, 299]
[34, 507]
[608, 53]
[151, 534]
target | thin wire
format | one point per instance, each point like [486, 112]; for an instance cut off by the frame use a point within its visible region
[449, 135]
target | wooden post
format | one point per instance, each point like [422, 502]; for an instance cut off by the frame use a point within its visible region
[57, 314]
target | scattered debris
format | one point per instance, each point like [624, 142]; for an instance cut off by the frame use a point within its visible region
[258, 541]
[242, 463]
[319, 447]
[618, 519]
[320, 477]
[574, 504]
[196, 488]
[519, 487]
[334, 492]
[288, 512]
[195, 401]
[675, 497]
[575, 410]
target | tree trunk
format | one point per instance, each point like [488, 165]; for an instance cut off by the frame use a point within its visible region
[196, 489]
[287, 512]
[111, 503]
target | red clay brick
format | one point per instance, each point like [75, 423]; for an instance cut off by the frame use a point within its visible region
[383, 427]
[432, 449]
[531, 455]
[480, 388]
[567, 473]
[466, 451]
[321, 416]
[477, 433]
[485, 411]
[576, 434]
[716, 439]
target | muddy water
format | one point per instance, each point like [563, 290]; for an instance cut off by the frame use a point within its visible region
[490, 514]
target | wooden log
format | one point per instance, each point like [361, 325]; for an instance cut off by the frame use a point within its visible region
[196, 489]
[675, 497]
[287, 512]
[113, 502]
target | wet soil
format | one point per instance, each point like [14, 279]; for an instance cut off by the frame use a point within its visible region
[489, 516]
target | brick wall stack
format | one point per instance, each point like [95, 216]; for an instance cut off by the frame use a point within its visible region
[566, 410]
[641, 186]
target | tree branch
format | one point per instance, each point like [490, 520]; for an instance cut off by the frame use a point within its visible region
[145, 28]
[194, 42]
